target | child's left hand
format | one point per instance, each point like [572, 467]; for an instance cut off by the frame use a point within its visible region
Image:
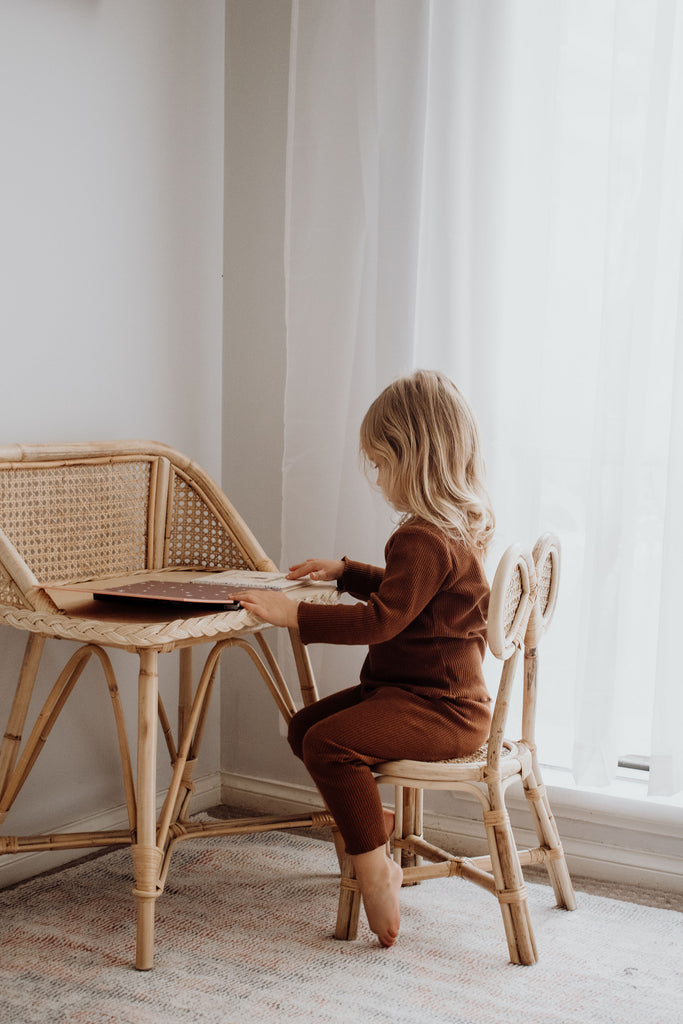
[270, 606]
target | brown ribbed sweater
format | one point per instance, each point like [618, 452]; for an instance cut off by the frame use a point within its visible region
[423, 615]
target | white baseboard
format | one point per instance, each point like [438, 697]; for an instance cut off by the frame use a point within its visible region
[17, 867]
[628, 842]
[608, 839]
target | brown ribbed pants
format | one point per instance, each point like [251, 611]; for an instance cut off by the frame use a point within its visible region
[340, 738]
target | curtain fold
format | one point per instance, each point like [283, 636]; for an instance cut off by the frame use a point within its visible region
[496, 190]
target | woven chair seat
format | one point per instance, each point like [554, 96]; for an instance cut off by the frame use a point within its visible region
[471, 768]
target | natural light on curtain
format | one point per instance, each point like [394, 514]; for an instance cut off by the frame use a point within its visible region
[496, 189]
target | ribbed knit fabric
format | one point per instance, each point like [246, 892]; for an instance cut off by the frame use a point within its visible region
[423, 616]
[422, 694]
[342, 736]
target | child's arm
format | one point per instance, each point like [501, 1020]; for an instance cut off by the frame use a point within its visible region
[326, 569]
[419, 562]
[361, 580]
[271, 606]
[355, 578]
[277, 608]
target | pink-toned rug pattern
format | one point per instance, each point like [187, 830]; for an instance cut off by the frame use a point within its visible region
[244, 934]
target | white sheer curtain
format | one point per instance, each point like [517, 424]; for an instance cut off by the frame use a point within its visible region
[496, 189]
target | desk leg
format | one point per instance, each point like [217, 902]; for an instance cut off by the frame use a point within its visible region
[185, 702]
[185, 688]
[147, 856]
[20, 705]
[309, 690]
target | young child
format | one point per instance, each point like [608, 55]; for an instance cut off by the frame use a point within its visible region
[422, 694]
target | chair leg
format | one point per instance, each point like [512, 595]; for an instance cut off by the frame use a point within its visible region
[339, 846]
[535, 792]
[510, 889]
[348, 910]
[549, 838]
[410, 801]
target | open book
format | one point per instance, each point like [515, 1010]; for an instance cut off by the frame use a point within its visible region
[216, 589]
[245, 579]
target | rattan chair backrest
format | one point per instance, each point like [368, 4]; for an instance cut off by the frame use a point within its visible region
[546, 556]
[77, 512]
[512, 598]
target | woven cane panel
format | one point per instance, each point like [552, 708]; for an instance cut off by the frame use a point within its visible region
[9, 592]
[77, 521]
[480, 755]
[197, 538]
[512, 598]
[544, 580]
[475, 758]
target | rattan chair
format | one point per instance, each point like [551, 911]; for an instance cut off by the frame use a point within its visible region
[94, 514]
[520, 610]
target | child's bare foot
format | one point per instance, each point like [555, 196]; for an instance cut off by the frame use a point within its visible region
[380, 880]
[381, 902]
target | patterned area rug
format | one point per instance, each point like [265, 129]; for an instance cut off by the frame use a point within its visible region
[244, 935]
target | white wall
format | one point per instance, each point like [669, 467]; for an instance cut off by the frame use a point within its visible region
[111, 224]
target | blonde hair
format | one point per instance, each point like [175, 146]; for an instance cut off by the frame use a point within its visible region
[422, 432]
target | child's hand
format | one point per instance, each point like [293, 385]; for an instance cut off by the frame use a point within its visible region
[325, 569]
[270, 606]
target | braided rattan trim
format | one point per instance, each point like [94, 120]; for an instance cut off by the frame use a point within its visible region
[142, 634]
[121, 634]
[84, 520]
[196, 536]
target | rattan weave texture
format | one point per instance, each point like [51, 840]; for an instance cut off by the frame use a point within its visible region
[10, 593]
[512, 599]
[77, 520]
[197, 538]
[543, 582]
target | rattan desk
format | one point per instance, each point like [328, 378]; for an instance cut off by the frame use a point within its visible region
[127, 509]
